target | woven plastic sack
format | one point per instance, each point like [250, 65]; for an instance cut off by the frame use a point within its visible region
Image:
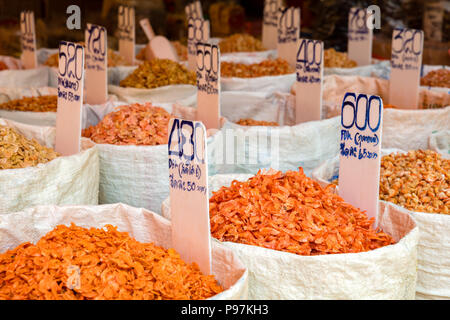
[64, 180]
[379, 69]
[145, 226]
[433, 271]
[137, 175]
[439, 141]
[91, 114]
[16, 77]
[384, 273]
[335, 87]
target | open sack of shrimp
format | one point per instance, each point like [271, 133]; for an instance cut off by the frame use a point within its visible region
[418, 181]
[38, 106]
[106, 252]
[33, 173]
[302, 241]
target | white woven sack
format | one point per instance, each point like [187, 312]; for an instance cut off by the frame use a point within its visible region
[433, 273]
[379, 69]
[91, 114]
[309, 144]
[384, 273]
[144, 226]
[65, 180]
[439, 141]
[335, 87]
[137, 175]
[16, 77]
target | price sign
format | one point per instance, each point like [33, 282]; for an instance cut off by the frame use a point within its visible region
[189, 197]
[406, 63]
[147, 27]
[360, 151]
[126, 33]
[308, 87]
[198, 31]
[270, 23]
[96, 64]
[70, 98]
[288, 34]
[28, 40]
[359, 45]
[161, 48]
[194, 10]
[208, 85]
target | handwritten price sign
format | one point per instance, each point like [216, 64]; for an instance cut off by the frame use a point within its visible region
[359, 37]
[70, 98]
[270, 23]
[360, 146]
[96, 64]
[189, 197]
[208, 85]
[126, 28]
[288, 34]
[194, 10]
[406, 62]
[308, 87]
[28, 40]
[198, 31]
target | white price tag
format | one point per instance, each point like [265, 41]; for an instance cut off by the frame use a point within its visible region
[198, 31]
[70, 98]
[359, 45]
[270, 24]
[126, 28]
[208, 85]
[406, 63]
[189, 202]
[308, 87]
[194, 10]
[28, 40]
[360, 151]
[96, 64]
[147, 27]
[288, 34]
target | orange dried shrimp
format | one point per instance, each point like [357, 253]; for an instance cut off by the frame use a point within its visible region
[3, 66]
[135, 124]
[46, 103]
[251, 122]
[240, 42]
[83, 264]
[293, 213]
[269, 67]
[436, 78]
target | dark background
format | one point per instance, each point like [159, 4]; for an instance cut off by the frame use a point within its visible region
[321, 19]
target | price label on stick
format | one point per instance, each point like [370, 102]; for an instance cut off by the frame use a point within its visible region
[208, 85]
[189, 197]
[406, 62]
[288, 34]
[70, 98]
[198, 31]
[360, 151]
[28, 40]
[96, 64]
[194, 10]
[308, 87]
[359, 45]
[161, 48]
[126, 33]
[270, 24]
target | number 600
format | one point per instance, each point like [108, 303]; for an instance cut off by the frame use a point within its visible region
[361, 111]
